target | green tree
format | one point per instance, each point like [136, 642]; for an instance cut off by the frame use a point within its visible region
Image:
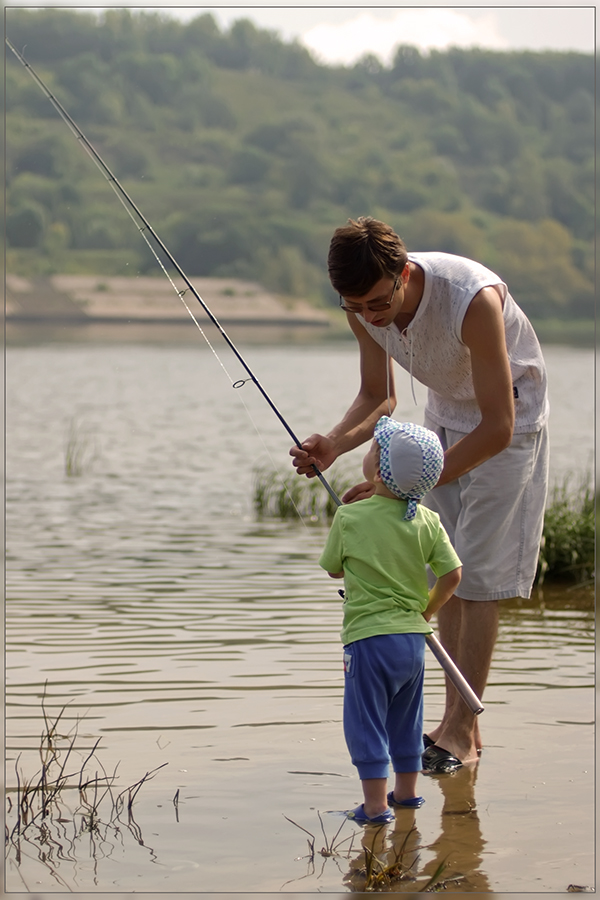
[85, 85]
[246, 153]
[249, 165]
[447, 232]
[536, 261]
[526, 189]
[25, 226]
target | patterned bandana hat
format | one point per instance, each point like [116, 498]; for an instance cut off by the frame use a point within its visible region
[411, 460]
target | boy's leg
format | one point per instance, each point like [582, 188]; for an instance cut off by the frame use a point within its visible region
[376, 670]
[405, 719]
[375, 796]
[405, 786]
[366, 701]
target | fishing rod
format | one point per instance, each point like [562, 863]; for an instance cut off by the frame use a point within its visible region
[146, 229]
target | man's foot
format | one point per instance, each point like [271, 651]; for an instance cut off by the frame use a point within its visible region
[436, 761]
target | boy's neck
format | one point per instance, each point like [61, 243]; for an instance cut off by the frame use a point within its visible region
[382, 491]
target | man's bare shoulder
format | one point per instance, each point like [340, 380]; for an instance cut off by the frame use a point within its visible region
[483, 318]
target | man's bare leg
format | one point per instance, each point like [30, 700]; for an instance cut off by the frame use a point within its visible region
[468, 631]
[449, 632]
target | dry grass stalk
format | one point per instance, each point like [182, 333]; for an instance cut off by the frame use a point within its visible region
[42, 811]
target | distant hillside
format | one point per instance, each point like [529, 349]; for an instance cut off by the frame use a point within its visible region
[245, 154]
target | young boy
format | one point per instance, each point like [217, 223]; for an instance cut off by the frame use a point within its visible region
[381, 546]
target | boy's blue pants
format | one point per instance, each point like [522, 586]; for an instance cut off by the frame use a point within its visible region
[383, 703]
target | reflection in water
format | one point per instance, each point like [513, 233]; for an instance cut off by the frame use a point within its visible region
[151, 601]
[70, 811]
[395, 859]
[460, 844]
[389, 859]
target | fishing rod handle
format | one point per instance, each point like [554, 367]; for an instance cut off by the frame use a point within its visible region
[455, 675]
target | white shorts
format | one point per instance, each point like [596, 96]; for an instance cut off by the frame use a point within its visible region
[494, 516]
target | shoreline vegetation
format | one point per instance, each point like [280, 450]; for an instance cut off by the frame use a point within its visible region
[567, 553]
[247, 153]
[71, 299]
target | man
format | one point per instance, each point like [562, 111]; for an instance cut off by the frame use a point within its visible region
[455, 327]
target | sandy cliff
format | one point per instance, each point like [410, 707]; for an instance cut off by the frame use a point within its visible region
[90, 298]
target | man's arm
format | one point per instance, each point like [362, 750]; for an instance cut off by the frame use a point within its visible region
[359, 422]
[483, 334]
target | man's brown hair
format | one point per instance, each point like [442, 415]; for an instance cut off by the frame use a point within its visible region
[363, 252]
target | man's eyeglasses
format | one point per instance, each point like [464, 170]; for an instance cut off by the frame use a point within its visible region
[375, 306]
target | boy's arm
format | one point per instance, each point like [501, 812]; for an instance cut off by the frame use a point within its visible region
[442, 591]
[332, 557]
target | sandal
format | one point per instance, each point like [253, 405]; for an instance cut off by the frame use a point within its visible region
[412, 803]
[359, 816]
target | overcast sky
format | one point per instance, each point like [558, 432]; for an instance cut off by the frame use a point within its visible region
[342, 34]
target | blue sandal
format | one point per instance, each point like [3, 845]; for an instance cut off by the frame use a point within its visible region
[412, 803]
[359, 816]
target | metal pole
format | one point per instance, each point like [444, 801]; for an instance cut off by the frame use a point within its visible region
[455, 675]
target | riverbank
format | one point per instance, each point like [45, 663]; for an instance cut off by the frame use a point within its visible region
[87, 299]
[67, 301]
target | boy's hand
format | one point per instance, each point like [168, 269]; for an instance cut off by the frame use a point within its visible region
[317, 450]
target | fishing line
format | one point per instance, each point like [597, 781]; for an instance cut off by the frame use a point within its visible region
[387, 369]
[235, 384]
[146, 229]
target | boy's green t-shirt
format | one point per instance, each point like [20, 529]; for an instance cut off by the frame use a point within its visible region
[384, 559]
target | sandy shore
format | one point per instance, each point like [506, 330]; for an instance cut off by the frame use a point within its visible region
[91, 298]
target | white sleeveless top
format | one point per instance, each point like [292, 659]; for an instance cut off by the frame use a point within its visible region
[432, 350]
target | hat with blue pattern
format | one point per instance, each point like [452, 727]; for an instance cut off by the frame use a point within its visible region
[411, 460]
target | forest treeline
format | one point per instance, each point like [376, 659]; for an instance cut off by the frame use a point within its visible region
[244, 153]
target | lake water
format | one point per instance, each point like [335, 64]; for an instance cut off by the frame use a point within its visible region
[186, 634]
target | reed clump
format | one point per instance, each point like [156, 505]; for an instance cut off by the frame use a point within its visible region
[386, 862]
[291, 497]
[79, 450]
[72, 788]
[567, 550]
[385, 867]
[568, 545]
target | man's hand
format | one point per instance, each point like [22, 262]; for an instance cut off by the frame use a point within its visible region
[359, 492]
[317, 450]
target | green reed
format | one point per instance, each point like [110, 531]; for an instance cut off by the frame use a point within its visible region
[568, 543]
[381, 865]
[291, 497]
[79, 451]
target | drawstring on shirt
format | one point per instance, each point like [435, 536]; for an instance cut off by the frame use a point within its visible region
[407, 339]
[387, 369]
